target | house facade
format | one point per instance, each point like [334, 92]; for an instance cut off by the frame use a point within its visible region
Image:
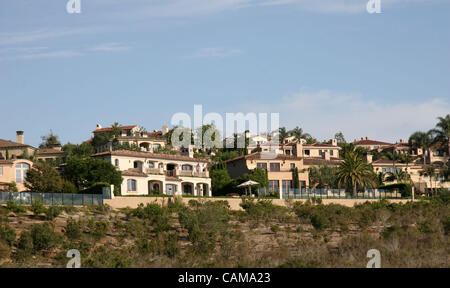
[148, 173]
[14, 171]
[280, 170]
[15, 150]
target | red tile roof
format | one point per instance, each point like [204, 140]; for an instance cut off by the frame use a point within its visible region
[370, 142]
[155, 134]
[257, 155]
[320, 160]
[49, 151]
[149, 155]
[110, 128]
[11, 144]
[132, 172]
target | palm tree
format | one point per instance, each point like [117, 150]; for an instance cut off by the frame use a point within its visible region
[422, 140]
[394, 157]
[442, 132]
[298, 134]
[283, 134]
[429, 172]
[398, 175]
[354, 172]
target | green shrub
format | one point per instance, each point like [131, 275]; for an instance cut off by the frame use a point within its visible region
[73, 229]
[37, 207]
[446, 224]
[25, 246]
[100, 229]
[13, 207]
[43, 236]
[52, 212]
[8, 234]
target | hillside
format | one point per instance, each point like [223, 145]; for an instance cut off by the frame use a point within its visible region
[209, 234]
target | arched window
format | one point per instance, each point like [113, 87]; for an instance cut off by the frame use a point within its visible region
[116, 162]
[131, 185]
[21, 172]
[151, 164]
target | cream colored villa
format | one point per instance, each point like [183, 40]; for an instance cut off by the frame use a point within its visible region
[148, 173]
[135, 135]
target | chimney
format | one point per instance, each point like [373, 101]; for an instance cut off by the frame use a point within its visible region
[402, 140]
[334, 142]
[164, 130]
[20, 137]
[98, 126]
[368, 158]
[326, 155]
[367, 138]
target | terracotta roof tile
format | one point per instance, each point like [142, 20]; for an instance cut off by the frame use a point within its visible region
[49, 151]
[149, 155]
[257, 155]
[320, 160]
[133, 172]
[370, 142]
[110, 128]
[11, 144]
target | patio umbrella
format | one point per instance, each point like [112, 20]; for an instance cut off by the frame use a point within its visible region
[248, 184]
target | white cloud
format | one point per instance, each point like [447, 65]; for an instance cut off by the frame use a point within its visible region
[110, 47]
[216, 52]
[323, 113]
[15, 38]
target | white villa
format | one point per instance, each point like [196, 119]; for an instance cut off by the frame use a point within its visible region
[148, 173]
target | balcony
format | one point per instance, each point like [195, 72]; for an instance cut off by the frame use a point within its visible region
[192, 173]
[158, 171]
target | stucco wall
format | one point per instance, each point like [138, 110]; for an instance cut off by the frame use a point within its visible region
[133, 202]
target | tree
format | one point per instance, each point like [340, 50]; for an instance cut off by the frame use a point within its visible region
[102, 138]
[49, 141]
[422, 140]
[84, 173]
[12, 187]
[83, 150]
[43, 178]
[220, 179]
[398, 175]
[257, 175]
[283, 134]
[298, 134]
[442, 132]
[339, 136]
[208, 136]
[355, 172]
[323, 176]
[429, 172]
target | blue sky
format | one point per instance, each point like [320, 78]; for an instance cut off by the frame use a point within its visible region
[326, 66]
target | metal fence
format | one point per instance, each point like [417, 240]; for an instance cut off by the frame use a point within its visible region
[308, 193]
[28, 198]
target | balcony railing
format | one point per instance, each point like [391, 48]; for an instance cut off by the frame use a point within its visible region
[193, 173]
[154, 170]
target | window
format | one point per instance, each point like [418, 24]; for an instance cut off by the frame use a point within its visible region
[292, 165]
[261, 166]
[1, 171]
[151, 164]
[137, 164]
[287, 185]
[186, 167]
[307, 152]
[116, 162]
[274, 185]
[331, 152]
[288, 152]
[274, 166]
[21, 172]
[156, 146]
[131, 185]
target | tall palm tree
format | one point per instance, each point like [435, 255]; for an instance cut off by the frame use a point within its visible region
[442, 132]
[283, 134]
[354, 172]
[298, 134]
[422, 140]
[429, 172]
